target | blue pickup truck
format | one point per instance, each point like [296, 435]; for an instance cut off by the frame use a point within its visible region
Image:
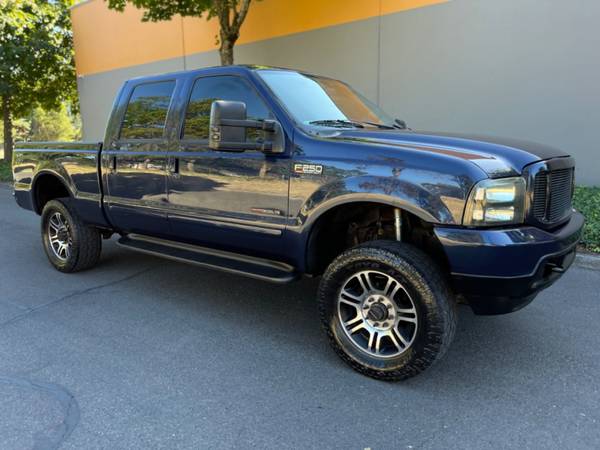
[275, 174]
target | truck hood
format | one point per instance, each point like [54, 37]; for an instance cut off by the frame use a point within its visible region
[498, 157]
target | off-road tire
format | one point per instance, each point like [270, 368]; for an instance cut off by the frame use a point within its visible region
[86, 241]
[422, 279]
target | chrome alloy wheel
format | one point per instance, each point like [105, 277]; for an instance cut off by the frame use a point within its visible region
[377, 314]
[59, 236]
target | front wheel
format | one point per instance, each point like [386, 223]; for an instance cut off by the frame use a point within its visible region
[71, 245]
[387, 310]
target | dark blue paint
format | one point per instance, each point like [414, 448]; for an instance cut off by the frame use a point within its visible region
[253, 203]
[505, 253]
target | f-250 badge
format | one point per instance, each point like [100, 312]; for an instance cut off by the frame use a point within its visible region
[308, 169]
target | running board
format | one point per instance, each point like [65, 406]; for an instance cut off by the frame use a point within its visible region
[249, 266]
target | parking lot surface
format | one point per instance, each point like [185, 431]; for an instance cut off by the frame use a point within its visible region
[145, 353]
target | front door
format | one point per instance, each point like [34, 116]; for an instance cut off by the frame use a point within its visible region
[135, 162]
[232, 200]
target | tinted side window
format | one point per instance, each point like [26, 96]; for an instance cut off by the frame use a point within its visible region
[207, 90]
[147, 111]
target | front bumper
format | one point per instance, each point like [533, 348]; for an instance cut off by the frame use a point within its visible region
[500, 271]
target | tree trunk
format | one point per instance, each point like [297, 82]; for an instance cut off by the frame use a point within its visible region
[8, 136]
[226, 51]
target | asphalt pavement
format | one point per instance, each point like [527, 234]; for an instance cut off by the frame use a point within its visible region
[147, 353]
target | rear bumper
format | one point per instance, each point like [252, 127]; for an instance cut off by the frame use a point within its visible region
[500, 271]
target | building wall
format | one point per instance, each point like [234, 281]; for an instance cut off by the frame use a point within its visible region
[519, 68]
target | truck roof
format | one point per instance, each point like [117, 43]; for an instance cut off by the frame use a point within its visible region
[221, 70]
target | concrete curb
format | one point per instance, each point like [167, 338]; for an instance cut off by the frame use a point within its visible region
[588, 261]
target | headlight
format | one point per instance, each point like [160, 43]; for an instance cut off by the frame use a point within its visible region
[496, 202]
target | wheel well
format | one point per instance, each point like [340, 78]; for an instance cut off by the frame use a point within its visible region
[351, 224]
[48, 187]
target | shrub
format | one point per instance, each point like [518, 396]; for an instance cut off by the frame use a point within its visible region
[587, 201]
[5, 171]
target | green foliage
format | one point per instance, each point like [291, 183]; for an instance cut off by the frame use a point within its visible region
[36, 54]
[21, 129]
[145, 118]
[57, 125]
[5, 171]
[587, 201]
[230, 14]
[156, 10]
[197, 118]
[36, 59]
[42, 125]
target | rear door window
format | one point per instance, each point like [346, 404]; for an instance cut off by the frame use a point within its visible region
[147, 111]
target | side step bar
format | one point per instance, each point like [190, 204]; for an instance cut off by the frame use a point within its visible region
[262, 269]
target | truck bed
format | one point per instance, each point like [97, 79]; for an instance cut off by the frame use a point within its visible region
[75, 162]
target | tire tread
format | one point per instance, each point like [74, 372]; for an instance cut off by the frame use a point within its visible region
[406, 257]
[87, 239]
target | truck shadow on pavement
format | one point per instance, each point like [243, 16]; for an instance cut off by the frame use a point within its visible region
[139, 331]
[283, 319]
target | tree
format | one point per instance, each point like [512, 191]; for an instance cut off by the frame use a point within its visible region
[20, 130]
[36, 59]
[53, 125]
[42, 125]
[230, 14]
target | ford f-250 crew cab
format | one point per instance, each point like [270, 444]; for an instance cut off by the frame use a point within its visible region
[275, 173]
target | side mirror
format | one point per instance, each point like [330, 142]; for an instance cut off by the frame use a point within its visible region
[228, 125]
[401, 124]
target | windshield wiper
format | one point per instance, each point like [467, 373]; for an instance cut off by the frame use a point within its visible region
[352, 123]
[337, 123]
[378, 125]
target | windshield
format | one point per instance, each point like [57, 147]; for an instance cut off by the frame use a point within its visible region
[319, 101]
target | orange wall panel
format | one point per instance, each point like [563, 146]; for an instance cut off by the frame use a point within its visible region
[272, 18]
[393, 6]
[107, 40]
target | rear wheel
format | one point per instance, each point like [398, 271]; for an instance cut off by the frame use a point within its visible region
[71, 245]
[387, 310]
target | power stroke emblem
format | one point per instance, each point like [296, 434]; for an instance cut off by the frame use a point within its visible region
[308, 169]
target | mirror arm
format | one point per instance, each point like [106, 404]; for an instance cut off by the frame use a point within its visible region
[266, 125]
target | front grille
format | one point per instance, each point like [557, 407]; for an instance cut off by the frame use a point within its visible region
[553, 195]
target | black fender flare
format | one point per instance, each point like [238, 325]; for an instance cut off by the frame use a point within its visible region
[45, 173]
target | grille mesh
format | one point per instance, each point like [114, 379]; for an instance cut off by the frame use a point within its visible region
[552, 195]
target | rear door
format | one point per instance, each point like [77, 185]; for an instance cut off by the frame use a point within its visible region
[135, 161]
